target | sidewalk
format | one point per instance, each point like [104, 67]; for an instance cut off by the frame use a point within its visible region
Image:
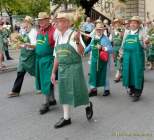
[11, 65]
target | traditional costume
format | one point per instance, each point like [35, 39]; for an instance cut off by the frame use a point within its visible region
[44, 62]
[71, 83]
[133, 61]
[98, 68]
[26, 58]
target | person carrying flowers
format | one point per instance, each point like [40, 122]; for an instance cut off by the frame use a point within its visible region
[72, 87]
[26, 43]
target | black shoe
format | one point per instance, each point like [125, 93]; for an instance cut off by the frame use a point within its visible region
[117, 80]
[89, 111]
[93, 92]
[131, 94]
[106, 93]
[62, 122]
[10, 58]
[13, 94]
[136, 98]
[52, 103]
[44, 109]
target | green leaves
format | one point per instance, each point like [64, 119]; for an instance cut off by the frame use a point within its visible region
[25, 7]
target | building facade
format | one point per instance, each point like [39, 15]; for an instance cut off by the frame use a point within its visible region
[113, 8]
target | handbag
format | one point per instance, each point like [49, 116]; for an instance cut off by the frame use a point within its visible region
[104, 55]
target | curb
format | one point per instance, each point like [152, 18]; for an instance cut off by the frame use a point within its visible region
[10, 69]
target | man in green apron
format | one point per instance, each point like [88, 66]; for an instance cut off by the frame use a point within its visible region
[98, 67]
[133, 60]
[71, 83]
[44, 61]
[27, 56]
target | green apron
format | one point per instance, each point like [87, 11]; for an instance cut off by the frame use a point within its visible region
[150, 50]
[2, 48]
[27, 60]
[98, 68]
[44, 64]
[71, 83]
[133, 62]
[117, 41]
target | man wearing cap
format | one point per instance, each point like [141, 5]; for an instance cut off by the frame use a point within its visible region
[27, 56]
[133, 59]
[71, 83]
[98, 68]
[44, 61]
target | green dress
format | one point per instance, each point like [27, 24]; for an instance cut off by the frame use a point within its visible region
[6, 34]
[71, 83]
[44, 64]
[27, 59]
[117, 41]
[98, 68]
[133, 62]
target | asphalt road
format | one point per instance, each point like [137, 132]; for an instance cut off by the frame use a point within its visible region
[115, 116]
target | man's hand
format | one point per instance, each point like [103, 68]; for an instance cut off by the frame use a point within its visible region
[80, 49]
[77, 36]
[53, 79]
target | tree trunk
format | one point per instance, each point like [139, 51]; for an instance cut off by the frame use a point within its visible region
[65, 6]
[11, 21]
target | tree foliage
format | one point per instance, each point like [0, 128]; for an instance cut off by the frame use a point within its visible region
[24, 7]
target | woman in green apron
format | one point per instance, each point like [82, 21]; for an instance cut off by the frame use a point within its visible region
[71, 83]
[117, 37]
[44, 61]
[133, 60]
[27, 56]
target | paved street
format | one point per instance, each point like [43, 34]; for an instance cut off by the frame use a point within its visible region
[115, 117]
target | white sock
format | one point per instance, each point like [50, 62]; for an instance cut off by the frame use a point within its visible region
[66, 110]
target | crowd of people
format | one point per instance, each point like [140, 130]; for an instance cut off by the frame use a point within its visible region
[54, 52]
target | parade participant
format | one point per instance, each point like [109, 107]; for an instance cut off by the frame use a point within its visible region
[1, 46]
[7, 32]
[88, 27]
[133, 59]
[117, 36]
[107, 27]
[126, 26]
[27, 56]
[71, 83]
[44, 61]
[98, 68]
[150, 49]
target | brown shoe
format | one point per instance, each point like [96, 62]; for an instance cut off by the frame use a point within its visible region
[13, 94]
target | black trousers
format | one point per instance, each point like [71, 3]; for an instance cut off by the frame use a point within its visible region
[18, 82]
[137, 92]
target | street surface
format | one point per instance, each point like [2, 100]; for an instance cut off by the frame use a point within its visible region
[116, 117]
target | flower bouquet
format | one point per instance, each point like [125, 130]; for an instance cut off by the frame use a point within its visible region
[78, 18]
[17, 41]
